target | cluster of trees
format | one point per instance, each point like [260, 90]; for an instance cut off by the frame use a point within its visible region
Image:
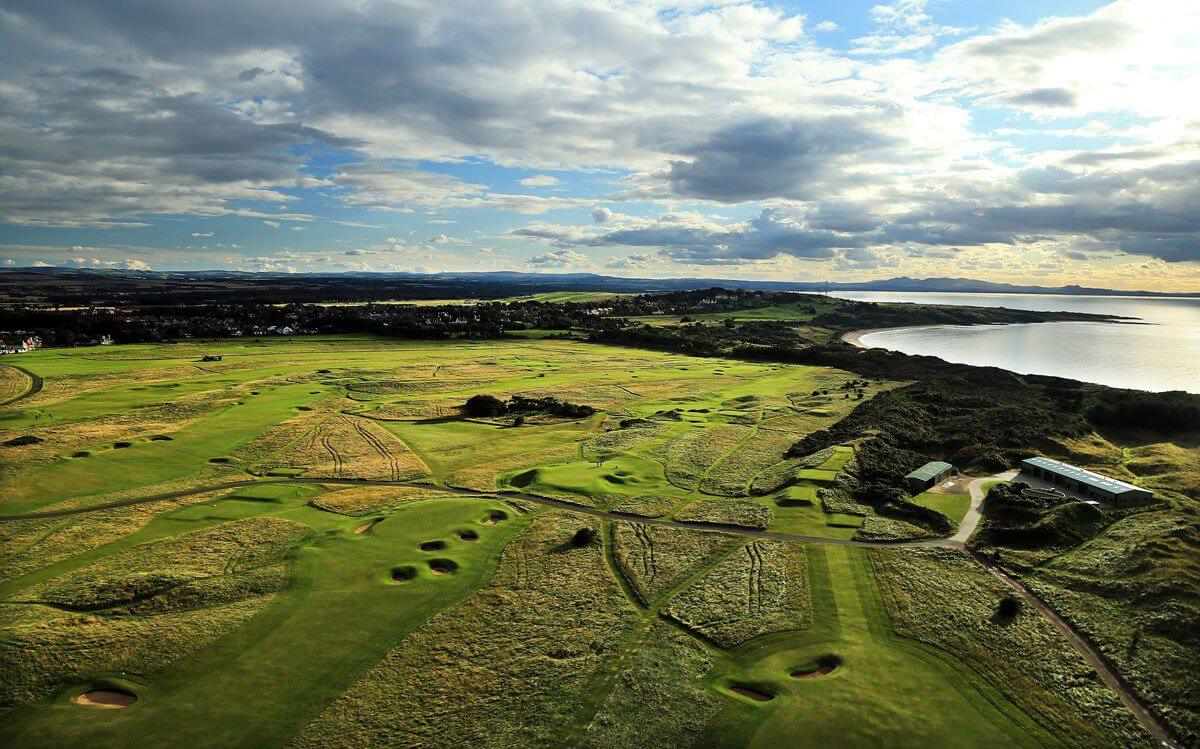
[758, 340]
[489, 406]
[141, 324]
[1164, 413]
[858, 315]
[880, 467]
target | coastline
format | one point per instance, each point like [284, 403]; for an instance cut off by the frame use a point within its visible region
[854, 337]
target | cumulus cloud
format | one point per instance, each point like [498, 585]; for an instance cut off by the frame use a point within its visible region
[1043, 97]
[100, 145]
[541, 180]
[559, 259]
[694, 238]
[801, 158]
[852, 156]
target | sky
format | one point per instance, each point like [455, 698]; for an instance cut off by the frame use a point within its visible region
[1026, 141]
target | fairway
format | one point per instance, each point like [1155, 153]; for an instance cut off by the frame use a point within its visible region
[310, 541]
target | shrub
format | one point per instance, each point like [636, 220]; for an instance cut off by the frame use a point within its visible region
[583, 537]
[1008, 608]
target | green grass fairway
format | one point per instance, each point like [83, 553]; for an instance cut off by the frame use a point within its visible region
[146, 461]
[884, 687]
[265, 680]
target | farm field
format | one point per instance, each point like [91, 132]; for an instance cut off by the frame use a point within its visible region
[309, 541]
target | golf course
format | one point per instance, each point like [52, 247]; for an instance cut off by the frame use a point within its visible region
[316, 541]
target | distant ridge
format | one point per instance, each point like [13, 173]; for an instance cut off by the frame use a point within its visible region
[597, 282]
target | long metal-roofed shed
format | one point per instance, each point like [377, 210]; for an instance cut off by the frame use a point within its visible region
[927, 475]
[1085, 482]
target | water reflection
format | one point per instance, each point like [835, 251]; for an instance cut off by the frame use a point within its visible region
[1163, 353]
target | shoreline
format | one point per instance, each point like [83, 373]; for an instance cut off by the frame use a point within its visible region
[854, 337]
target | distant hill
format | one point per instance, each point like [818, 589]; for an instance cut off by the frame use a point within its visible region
[62, 286]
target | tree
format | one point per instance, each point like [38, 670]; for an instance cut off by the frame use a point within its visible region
[485, 406]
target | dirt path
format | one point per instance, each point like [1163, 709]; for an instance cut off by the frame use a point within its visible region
[1090, 653]
[971, 520]
[35, 385]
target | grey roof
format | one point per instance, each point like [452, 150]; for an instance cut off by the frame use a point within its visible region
[1083, 476]
[929, 471]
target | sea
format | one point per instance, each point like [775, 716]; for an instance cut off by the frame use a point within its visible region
[1157, 350]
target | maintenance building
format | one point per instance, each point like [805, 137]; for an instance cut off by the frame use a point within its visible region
[927, 475]
[1083, 482]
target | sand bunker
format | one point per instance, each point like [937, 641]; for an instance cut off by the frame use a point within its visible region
[823, 665]
[403, 574]
[113, 699]
[366, 526]
[160, 438]
[751, 693]
[218, 461]
[433, 546]
[442, 566]
[495, 516]
[121, 445]
[468, 535]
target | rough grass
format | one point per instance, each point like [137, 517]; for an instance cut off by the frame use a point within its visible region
[648, 505]
[654, 560]
[138, 610]
[13, 382]
[731, 511]
[944, 599]
[659, 700]
[761, 589]
[144, 571]
[357, 501]
[31, 545]
[692, 455]
[513, 665]
[341, 446]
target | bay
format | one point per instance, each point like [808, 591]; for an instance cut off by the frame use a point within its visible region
[1161, 352]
